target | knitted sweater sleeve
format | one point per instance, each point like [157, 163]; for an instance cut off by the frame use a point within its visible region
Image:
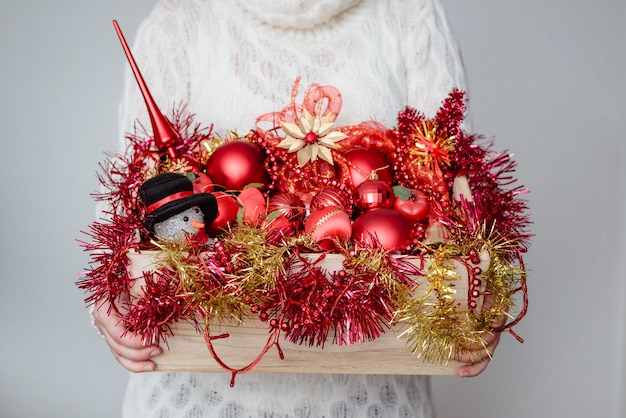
[433, 61]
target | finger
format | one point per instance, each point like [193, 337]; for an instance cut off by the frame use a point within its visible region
[136, 366]
[132, 352]
[489, 343]
[110, 324]
[128, 350]
[473, 370]
[133, 359]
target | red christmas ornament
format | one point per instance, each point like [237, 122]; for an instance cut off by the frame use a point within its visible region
[254, 211]
[164, 133]
[202, 183]
[227, 209]
[416, 207]
[328, 224]
[374, 194]
[390, 229]
[280, 223]
[236, 164]
[289, 205]
[331, 197]
[363, 162]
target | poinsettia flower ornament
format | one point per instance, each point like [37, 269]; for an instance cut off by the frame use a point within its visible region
[311, 137]
[301, 142]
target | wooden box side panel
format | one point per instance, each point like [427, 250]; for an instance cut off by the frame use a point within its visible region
[388, 354]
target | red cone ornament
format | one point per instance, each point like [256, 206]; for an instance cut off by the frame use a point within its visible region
[164, 133]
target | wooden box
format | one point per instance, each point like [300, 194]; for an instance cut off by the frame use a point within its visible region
[389, 354]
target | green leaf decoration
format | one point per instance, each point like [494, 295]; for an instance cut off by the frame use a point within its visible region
[402, 192]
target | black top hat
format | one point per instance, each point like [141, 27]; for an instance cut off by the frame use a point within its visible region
[168, 194]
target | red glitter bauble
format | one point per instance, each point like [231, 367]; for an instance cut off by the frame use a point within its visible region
[327, 225]
[389, 228]
[331, 197]
[364, 162]
[289, 205]
[374, 194]
[236, 164]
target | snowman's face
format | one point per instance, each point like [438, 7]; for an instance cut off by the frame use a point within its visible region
[178, 227]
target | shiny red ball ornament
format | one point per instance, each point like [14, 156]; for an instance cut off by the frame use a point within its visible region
[374, 194]
[227, 209]
[236, 164]
[328, 224]
[202, 183]
[289, 205]
[416, 207]
[363, 162]
[389, 228]
[330, 197]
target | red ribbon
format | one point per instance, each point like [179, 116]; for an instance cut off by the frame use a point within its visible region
[168, 199]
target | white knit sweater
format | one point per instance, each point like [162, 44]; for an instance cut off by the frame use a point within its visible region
[230, 61]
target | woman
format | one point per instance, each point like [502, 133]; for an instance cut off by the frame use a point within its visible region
[229, 62]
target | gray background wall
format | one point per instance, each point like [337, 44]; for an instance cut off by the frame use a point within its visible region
[547, 80]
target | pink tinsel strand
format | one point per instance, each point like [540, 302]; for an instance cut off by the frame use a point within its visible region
[107, 276]
[451, 114]
[350, 307]
[490, 176]
[152, 320]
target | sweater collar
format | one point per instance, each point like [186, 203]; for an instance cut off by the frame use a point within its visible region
[296, 14]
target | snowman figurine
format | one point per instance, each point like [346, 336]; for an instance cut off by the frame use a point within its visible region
[175, 212]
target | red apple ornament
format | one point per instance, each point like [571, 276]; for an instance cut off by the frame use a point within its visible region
[391, 229]
[236, 164]
[412, 203]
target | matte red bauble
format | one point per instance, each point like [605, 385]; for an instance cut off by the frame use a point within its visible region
[363, 162]
[254, 209]
[227, 209]
[391, 229]
[236, 164]
[374, 194]
[416, 207]
[327, 224]
[289, 205]
[331, 197]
